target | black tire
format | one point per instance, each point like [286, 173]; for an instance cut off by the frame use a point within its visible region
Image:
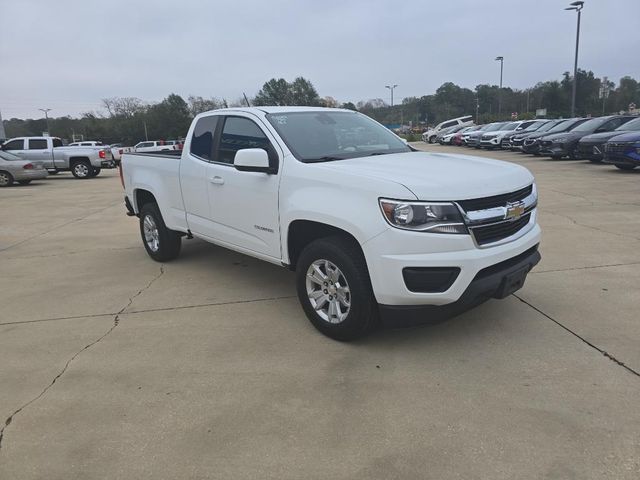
[6, 179]
[81, 169]
[24, 182]
[556, 157]
[95, 172]
[626, 167]
[595, 160]
[168, 241]
[362, 314]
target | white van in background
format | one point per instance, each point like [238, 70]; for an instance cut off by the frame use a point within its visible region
[430, 135]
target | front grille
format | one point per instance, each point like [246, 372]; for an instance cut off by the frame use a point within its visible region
[496, 200]
[516, 141]
[499, 231]
[617, 147]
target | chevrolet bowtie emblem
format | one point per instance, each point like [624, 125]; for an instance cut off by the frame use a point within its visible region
[514, 210]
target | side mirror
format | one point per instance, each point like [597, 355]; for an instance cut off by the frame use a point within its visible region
[252, 160]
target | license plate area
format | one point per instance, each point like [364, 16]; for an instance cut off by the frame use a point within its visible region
[512, 283]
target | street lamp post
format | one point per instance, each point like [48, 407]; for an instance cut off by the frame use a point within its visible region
[46, 116]
[577, 6]
[391, 87]
[501, 60]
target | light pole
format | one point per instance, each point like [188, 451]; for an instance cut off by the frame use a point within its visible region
[501, 60]
[577, 6]
[391, 87]
[46, 116]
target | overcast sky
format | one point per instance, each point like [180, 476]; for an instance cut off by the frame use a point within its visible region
[68, 54]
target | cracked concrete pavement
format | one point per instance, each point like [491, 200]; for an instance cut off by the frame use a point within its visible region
[114, 366]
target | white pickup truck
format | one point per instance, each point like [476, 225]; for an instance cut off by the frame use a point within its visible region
[373, 228]
[82, 161]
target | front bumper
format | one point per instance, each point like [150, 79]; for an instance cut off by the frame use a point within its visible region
[554, 150]
[389, 253]
[496, 281]
[491, 143]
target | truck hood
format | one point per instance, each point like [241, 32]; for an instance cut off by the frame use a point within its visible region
[439, 176]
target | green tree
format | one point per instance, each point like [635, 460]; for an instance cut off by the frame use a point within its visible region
[279, 92]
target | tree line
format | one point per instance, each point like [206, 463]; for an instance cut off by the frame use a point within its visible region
[129, 120]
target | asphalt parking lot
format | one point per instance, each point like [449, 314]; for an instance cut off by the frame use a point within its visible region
[114, 366]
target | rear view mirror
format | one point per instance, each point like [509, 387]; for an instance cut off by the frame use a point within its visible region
[252, 160]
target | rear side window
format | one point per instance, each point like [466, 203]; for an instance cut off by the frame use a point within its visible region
[38, 144]
[449, 124]
[57, 142]
[202, 139]
[14, 145]
[240, 133]
[615, 123]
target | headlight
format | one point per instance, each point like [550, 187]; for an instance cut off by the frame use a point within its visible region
[423, 216]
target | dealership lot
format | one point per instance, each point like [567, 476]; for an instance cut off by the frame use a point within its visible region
[206, 367]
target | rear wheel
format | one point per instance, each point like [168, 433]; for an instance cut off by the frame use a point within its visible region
[161, 243]
[626, 167]
[81, 169]
[334, 289]
[6, 179]
[24, 182]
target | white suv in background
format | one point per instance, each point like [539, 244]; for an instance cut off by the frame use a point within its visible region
[430, 135]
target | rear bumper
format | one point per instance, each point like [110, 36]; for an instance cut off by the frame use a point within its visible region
[496, 281]
[108, 164]
[32, 174]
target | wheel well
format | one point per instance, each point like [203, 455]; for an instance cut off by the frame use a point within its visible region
[74, 160]
[143, 197]
[303, 232]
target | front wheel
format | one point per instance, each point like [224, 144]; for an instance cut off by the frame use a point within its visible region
[334, 289]
[161, 243]
[6, 179]
[626, 167]
[81, 169]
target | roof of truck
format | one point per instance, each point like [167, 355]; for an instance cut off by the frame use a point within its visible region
[283, 109]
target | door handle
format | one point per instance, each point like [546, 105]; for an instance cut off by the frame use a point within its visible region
[217, 180]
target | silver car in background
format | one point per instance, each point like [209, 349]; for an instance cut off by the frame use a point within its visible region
[15, 169]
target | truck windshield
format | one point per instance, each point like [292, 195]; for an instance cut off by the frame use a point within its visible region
[322, 136]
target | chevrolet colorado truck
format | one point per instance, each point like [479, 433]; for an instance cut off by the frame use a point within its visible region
[374, 229]
[83, 162]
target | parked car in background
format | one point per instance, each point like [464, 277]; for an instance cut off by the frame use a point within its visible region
[517, 139]
[496, 138]
[83, 162]
[531, 144]
[469, 137]
[591, 147]
[445, 136]
[623, 151]
[457, 139]
[15, 169]
[117, 150]
[400, 232]
[430, 135]
[527, 127]
[561, 145]
[474, 138]
[154, 146]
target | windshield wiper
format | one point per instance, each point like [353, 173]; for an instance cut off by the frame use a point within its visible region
[326, 158]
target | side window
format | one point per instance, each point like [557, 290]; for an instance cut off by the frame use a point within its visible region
[240, 133]
[38, 144]
[202, 140]
[57, 142]
[14, 145]
[614, 123]
[449, 124]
